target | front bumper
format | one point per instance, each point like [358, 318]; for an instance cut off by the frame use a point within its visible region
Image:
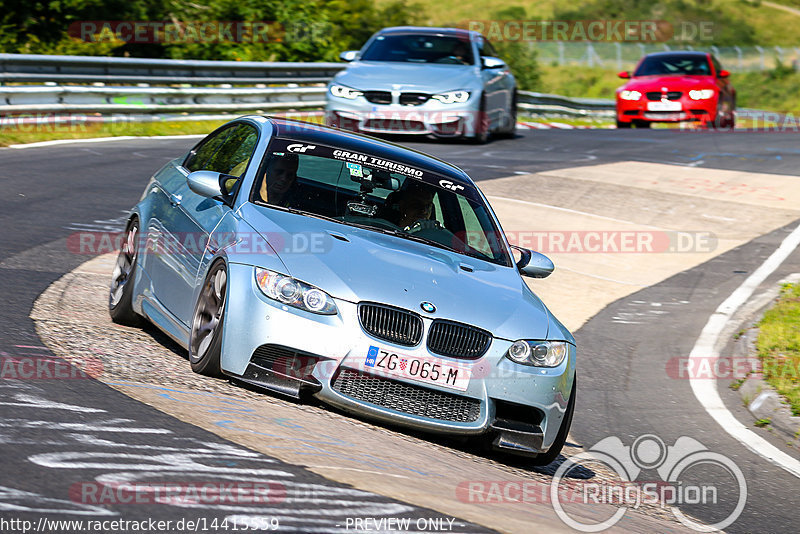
[690, 110]
[337, 348]
[432, 117]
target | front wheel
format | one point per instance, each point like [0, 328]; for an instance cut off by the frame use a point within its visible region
[120, 296]
[623, 125]
[205, 340]
[511, 128]
[481, 136]
[561, 438]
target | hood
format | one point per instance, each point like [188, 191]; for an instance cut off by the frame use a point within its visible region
[362, 265]
[427, 78]
[672, 83]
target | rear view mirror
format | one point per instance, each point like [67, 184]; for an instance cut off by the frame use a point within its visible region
[724, 73]
[348, 55]
[534, 264]
[370, 179]
[624, 74]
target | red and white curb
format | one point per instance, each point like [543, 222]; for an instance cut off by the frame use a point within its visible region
[558, 126]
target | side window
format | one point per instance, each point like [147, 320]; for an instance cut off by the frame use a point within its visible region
[476, 237]
[210, 145]
[228, 152]
[235, 152]
[485, 48]
[717, 66]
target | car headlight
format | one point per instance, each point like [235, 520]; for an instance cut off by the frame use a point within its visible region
[701, 94]
[295, 293]
[630, 95]
[452, 97]
[345, 92]
[538, 353]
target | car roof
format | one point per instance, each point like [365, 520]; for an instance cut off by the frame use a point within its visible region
[678, 53]
[429, 30]
[334, 137]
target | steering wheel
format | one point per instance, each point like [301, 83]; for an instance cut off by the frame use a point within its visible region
[423, 224]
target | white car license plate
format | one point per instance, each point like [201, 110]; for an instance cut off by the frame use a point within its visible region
[427, 370]
[664, 105]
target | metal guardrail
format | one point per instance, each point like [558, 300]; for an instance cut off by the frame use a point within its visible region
[140, 100]
[546, 104]
[91, 99]
[154, 96]
[118, 70]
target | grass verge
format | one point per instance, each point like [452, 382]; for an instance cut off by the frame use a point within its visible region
[778, 345]
[31, 133]
[12, 133]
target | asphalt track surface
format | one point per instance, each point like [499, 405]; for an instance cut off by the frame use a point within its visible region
[55, 433]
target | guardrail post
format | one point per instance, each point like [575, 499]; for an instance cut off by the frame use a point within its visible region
[618, 46]
[739, 57]
[561, 53]
[761, 57]
[779, 53]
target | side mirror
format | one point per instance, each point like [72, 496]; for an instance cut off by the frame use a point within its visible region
[209, 184]
[534, 264]
[723, 73]
[624, 74]
[488, 62]
[348, 55]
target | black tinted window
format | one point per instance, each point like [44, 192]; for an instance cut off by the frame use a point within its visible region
[410, 48]
[674, 64]
[228, 151]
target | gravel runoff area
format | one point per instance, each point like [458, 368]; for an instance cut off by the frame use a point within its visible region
[72, 320]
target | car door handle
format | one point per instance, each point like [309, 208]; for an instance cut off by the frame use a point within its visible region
[175, 200]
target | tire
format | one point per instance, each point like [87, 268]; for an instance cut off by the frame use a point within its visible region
[623, 125]
[481, 136]
[561, 438]
[511, 131]
[205, 338]
[120, 294]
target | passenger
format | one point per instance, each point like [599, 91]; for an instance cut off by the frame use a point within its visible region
[412, 204]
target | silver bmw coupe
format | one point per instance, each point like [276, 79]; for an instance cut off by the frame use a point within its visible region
[307, 260]
[444, 82]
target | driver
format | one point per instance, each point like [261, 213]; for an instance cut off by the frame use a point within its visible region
[279, 186]
[461, 52]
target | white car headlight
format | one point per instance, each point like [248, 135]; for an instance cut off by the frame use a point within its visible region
[538, 353]
[295, 293]
[345, 92]
[630, 95]
[701, 94]
[452, 97]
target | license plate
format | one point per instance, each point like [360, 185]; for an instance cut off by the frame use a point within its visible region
[664, 116]
[420, 369]
[664, 106]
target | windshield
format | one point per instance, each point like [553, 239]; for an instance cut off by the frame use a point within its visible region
[380, 195]
[677, 64]
[420, 48]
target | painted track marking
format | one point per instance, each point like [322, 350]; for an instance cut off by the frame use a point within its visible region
[706, 348]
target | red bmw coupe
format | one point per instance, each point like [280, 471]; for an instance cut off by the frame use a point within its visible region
[676, 87]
